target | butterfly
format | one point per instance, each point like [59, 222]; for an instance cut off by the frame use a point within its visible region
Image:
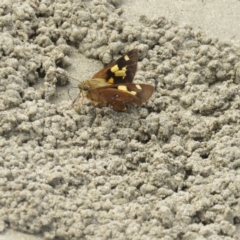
[114, 85]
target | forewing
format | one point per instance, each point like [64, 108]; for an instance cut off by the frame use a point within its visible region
[122, 70]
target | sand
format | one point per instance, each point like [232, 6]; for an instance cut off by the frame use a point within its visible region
[166, 170]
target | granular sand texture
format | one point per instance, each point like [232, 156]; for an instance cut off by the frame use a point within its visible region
[167, 170]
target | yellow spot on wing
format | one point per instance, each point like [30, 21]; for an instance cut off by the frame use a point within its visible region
[126, 57]
[114, 68]
[120, 73]
[123, 88]
[111, 80]
[138, 86]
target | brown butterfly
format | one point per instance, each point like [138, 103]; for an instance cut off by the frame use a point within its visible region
[114, 84]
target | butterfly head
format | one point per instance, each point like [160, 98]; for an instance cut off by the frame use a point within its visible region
[84, 86]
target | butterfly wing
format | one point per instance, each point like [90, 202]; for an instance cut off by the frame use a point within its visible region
[120, 71]
[121, 95]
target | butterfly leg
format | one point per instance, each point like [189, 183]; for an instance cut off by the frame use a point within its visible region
[77, 103]
[95, 111]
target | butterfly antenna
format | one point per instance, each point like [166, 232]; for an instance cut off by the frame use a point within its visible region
[66, 75]
[76, 100]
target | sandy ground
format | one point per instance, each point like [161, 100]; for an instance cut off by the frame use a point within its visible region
[167, 170]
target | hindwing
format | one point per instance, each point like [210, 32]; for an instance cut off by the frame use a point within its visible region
[119, 96]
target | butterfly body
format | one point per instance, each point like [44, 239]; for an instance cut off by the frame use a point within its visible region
[114, 84]
[87, 88]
